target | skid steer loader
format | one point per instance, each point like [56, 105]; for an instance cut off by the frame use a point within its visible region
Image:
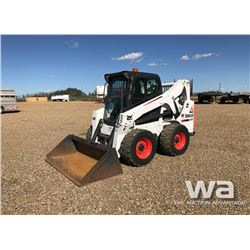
[138, 118]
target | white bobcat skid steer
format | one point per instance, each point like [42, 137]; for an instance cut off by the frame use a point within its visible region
[138, 117]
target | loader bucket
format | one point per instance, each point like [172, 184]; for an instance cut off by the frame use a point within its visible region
[83, 162]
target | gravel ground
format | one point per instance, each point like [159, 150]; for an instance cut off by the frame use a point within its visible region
[218, 151]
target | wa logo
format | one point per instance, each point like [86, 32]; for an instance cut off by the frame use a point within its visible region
[223, 189]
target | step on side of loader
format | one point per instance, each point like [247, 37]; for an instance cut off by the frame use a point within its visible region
[84, 162]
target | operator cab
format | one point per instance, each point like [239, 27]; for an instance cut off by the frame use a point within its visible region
[128, 89]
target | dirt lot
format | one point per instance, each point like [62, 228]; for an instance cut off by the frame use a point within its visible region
[218, 151]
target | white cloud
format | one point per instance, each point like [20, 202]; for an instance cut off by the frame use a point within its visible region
[73, 44]
[157, 62]
[132, 57]
[197, 56]
[204, 55]
[153, 64]
[185, 58]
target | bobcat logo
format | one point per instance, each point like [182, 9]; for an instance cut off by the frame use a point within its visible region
[129, 117]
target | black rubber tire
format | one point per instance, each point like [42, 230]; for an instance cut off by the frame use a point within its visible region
[89, 134]
[128, 147]
[167, 137]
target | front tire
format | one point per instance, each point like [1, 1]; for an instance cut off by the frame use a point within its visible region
[138, 147]
[174, 139]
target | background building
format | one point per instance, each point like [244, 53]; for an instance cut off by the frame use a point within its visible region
[37, 99]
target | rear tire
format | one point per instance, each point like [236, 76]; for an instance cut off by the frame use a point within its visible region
[174, 139]
[89, 134]
[138, 147]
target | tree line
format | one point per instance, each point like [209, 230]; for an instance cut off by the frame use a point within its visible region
[74, 95]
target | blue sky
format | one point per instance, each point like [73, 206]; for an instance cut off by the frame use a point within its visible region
[44, 63]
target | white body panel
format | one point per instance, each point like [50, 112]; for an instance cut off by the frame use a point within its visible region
[63, 98]
[96, 117]
[101, 91]
[8, 100]
[166, 86]
[187, 116]
[184, 112]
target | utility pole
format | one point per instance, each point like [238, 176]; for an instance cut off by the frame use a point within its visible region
[219, 86]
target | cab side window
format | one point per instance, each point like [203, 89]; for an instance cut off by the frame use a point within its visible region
[151, 87]
[144, 89]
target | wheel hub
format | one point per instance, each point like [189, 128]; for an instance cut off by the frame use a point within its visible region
[177, 139]
[180, 141]
[141, 147]
[144, 148]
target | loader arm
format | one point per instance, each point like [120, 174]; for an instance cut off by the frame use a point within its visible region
[170, 97]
